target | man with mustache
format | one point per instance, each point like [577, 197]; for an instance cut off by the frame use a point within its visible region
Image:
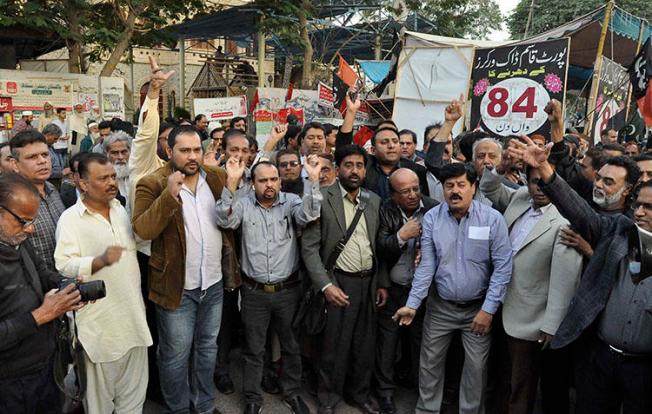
[95, 242]
[117, 148]
[31, 159]
[192, 262]
[270, 256]
[398, 244]
[609, 317]
[466, 252]
[347, 278]
[30, 304]
[46, 117]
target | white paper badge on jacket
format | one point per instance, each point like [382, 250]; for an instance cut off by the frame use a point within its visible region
[479, 232]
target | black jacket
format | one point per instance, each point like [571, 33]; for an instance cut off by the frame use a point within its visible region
[391, 222]
[373, 183]
[25, 348]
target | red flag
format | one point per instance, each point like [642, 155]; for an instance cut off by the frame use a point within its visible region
[645, 106]
[346, 73]
[288, 97]
[363, 135]
[254, 103]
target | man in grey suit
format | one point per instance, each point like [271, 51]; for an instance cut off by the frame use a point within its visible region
[610, 316]
[349, 284]
[541, 288]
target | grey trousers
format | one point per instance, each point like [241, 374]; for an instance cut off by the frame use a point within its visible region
[442, 320]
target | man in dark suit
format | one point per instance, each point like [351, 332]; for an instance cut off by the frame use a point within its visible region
[398, 248]
[349, 284]
[610, 313]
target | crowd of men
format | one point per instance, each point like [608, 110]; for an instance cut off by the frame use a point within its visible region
[477, 267]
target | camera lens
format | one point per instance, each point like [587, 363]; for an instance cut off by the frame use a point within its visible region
[92, 290]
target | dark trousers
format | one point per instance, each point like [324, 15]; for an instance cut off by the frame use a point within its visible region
[347, 344]
[153, 386]
[389, 335]
[606, 380]
[229, 331]
[35, 393]
[259, 311]
[528, 363]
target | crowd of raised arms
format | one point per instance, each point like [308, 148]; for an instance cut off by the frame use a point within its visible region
[490, 275]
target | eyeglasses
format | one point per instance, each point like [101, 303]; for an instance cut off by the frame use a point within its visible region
[22, 221]
[407, 191]
[286, 164]
[646, 206]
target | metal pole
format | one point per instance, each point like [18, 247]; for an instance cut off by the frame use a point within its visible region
[597, 68]
[131, 75]
[529, 20]
[182, 73]
[261, 58]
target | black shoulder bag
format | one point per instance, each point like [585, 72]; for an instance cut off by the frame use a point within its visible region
[311, 314]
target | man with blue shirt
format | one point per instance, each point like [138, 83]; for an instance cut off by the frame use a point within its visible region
[465, 250]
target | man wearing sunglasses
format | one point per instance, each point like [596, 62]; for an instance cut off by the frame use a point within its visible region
[29, 305]
[289, 167]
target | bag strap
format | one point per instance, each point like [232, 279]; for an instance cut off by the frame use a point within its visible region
[339, 247]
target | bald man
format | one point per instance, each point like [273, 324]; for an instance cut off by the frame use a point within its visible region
[398, 245]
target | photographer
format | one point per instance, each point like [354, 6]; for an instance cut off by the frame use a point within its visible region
[29, 305]
[95, 243]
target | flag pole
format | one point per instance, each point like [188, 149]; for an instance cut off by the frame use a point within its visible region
[598, 66]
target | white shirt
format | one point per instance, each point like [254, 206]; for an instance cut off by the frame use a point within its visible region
[61, 143]
[112, 326]
[524, 225]
[203, 237]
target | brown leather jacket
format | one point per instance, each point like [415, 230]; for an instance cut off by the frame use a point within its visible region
[158, 217]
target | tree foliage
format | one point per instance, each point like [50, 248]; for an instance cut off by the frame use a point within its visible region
[548, 14]
[102, 27]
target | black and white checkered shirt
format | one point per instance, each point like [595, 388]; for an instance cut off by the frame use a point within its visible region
[43, 238]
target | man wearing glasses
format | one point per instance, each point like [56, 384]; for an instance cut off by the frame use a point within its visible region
[398, 247]
[31, 158]
[289, 167]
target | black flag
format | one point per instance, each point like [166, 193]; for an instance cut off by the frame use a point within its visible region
[640, 71]
[396, 52]
[339, 92]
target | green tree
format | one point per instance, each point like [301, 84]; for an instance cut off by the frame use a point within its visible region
[549, 14]
[103, 28]
[459, 18]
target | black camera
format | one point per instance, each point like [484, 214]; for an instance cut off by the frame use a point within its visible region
[89, 291]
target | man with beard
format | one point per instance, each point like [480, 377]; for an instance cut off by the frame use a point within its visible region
[47, 116]
[270, 270]
[347, 278]
[192, 262]
[24, 123]
[30, 303]
[398, 247]
[31, 159]
[91, 138]
[466, 253]
[609, 317]
[289, 167]
[78, 127]
[387, 159]
[116, 147]
[239, 123]
[95, 242]
[95, 115]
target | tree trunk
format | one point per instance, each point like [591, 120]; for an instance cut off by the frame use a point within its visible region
[74, 43]
[121, 46]
[306, 79]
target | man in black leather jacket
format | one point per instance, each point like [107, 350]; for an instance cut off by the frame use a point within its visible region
[30, 305]
[398, 251]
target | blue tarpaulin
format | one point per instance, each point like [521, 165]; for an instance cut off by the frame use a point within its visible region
[375, 70]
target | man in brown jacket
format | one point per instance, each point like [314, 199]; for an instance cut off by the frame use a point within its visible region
[192, 262]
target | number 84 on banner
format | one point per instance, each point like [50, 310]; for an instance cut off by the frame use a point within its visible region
[514, 106]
